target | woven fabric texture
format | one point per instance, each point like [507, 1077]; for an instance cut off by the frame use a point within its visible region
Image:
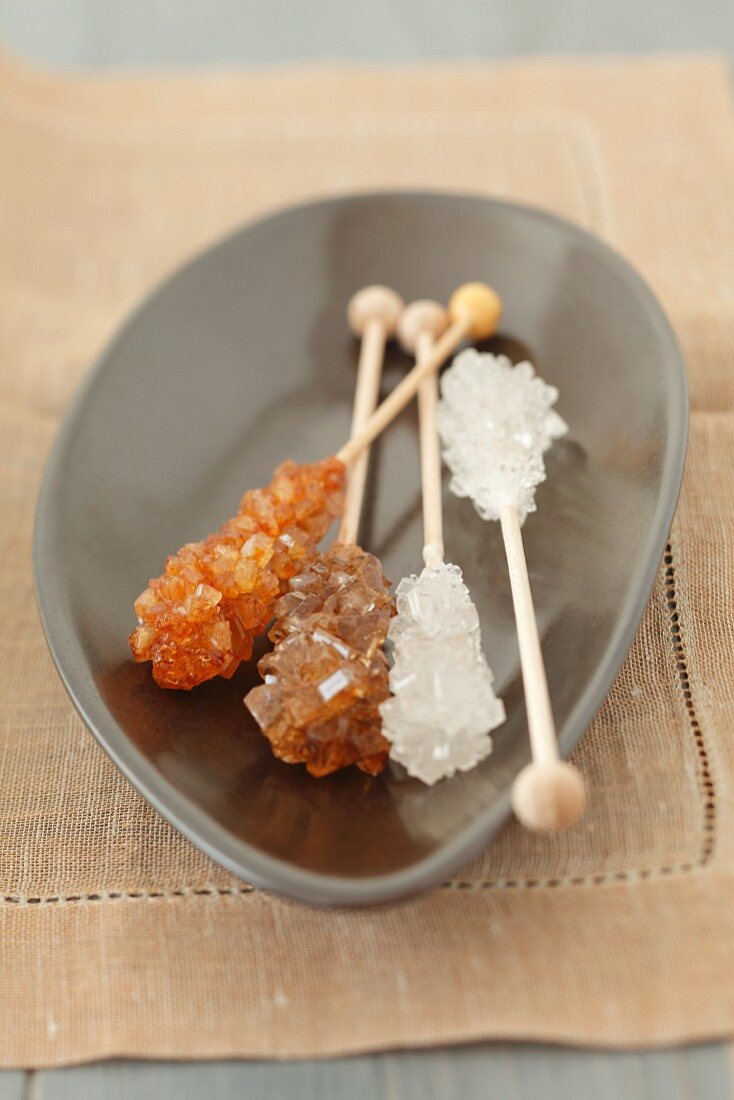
[119, 937]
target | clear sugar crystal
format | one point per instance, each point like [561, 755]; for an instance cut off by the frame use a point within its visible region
[443, 704]
[496, 422]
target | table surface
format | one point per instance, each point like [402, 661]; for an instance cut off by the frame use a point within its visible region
[106, 33]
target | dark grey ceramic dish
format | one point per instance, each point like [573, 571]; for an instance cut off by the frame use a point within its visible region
[242, 359]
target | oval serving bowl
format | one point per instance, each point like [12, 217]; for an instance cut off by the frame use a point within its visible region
[242, 359]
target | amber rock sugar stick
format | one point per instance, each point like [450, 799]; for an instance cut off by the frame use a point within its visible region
[199, 618]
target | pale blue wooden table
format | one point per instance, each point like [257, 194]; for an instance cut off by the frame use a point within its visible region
[104, 33]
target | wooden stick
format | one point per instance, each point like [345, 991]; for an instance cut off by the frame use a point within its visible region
[406, 390]
[430, 460]
[540, 715]
[421, 324]
[373, 314]
[369, 373]
[548, 794]
[475, 310]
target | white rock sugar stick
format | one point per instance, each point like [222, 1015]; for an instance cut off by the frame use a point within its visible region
[496, 422]
[443, 704]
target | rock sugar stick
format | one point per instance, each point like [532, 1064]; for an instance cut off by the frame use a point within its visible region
[443, 705]
[198, 619]
[496, 422]
[327, 674]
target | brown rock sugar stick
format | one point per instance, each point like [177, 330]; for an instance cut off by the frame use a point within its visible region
[327, 675]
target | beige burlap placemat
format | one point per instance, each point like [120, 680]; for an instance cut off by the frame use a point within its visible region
[118, 937]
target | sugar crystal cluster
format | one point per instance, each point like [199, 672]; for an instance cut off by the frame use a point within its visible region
[200, 617]
[443, 704]
[496, 422]
[327, 675]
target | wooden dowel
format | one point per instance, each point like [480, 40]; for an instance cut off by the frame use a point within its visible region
[430, 460]
[540, 715]
[369, 373]
[549, 793]
[373, 314]
[406, 389]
